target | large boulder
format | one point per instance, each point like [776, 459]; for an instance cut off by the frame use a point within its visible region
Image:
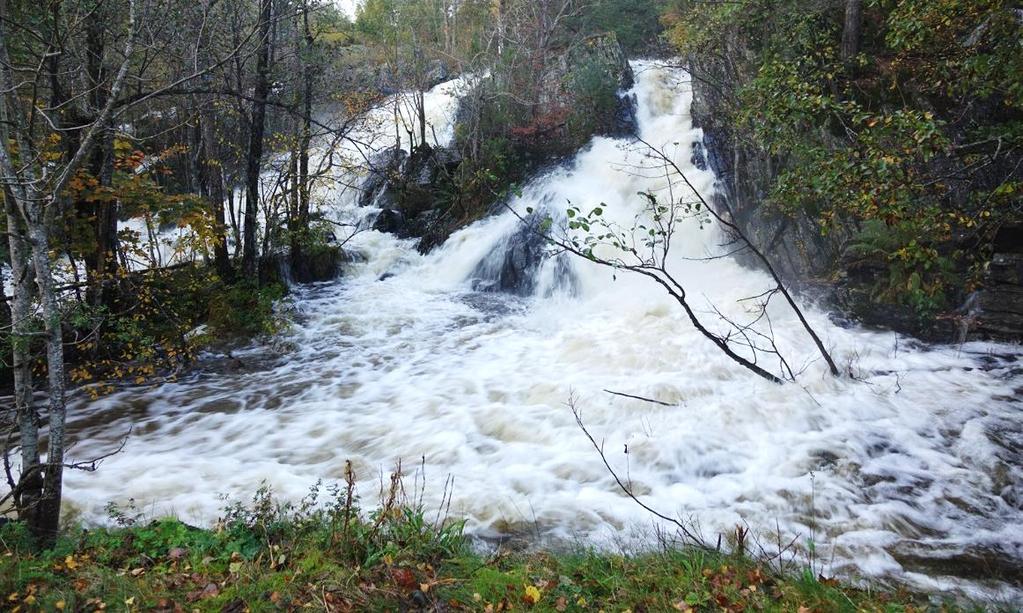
[385, 169]
[571, 78]
[997, 309]
[513, 264]
[408, 188]
[322, 263]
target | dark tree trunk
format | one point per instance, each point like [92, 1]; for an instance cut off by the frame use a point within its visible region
[101, 260]
[211, 185]
[299, 218]
[256, 129]
[104, 263]
[307, 120]
[852, 31]
[216, 197]
[209, 170]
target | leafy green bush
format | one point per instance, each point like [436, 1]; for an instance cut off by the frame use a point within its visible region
[245, 309]
[595, 97]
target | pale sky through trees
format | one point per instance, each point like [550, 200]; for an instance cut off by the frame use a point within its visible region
[348, 6]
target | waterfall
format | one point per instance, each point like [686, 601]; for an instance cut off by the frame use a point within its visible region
[453, 363]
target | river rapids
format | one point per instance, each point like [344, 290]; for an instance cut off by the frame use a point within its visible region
[909, 473]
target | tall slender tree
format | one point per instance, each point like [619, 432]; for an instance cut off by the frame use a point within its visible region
[257, 127]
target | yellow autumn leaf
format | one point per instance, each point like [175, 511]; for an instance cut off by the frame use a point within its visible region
[532, 595]
[69, 561]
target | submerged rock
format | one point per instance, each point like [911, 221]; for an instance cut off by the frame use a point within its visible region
[323, 263]
[513, 264]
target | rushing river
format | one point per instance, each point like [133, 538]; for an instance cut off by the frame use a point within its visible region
[910, 473]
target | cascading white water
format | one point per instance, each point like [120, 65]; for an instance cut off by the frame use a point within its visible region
[916, 463]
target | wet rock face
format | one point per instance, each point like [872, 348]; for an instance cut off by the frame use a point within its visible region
[384, 169]
[798, 249]
[513, 265]
[388, 80]
[437, 73]
[390, 221]
[408, 188]
[624, 122]
[999, 305]
[699, 157]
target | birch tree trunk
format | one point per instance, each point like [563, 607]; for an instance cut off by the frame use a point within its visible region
[46, 521]
[30, 482]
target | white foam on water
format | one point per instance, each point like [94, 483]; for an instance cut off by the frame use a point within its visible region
[918, 459]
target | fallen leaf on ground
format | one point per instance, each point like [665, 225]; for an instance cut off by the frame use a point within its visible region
[211, 590]
[532, 595]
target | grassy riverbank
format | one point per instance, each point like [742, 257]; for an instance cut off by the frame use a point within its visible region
[266, 556]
